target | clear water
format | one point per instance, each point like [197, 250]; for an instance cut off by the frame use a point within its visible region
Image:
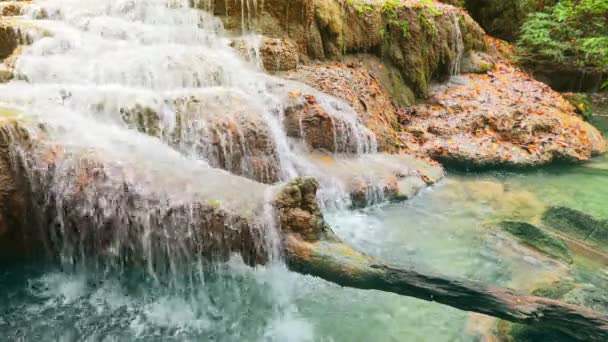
[440, 230]
[105, 55]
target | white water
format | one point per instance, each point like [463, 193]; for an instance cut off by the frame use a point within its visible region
[458, 45]
[93, 62]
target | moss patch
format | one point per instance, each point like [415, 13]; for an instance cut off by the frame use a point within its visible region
[538, 239]
[578, 225]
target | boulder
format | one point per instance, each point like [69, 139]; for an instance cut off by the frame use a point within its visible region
[503, 119]
[474, 62]
[338, 131]
[355, 85]
[279, 54]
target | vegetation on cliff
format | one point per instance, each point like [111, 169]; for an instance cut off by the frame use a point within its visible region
[570, 32]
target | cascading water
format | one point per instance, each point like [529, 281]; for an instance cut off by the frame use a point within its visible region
[121, 86]
[458, 46]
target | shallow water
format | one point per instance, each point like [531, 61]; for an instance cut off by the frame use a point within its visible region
[440, 230]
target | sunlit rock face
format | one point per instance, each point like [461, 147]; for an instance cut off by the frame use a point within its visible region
[501, 119]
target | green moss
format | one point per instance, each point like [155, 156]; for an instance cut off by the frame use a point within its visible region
[361, 6]
[328, 15]
[538, 239]
[8, 113]
[214, 203]
[554, 291]
[578, 225]
[144, 119]
[529, 333]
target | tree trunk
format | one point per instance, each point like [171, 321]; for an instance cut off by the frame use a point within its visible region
[337, 263]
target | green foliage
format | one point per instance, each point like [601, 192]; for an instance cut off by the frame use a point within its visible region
[604, 85]
[361, 6]
[572, 32]
[389, 8]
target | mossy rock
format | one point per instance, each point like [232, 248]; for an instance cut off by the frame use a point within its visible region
[554, 291]
[578, 225]
[538, 239]
[529, 333]
[591, 297]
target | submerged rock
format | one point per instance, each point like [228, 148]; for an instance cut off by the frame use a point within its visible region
[586, 295]
[538, 239]
[578, 225]
[501, 119]
[376, 178]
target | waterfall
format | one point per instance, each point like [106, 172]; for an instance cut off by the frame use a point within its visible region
[458, 45]
[155, 85]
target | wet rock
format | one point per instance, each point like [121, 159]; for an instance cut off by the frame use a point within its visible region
[279, 54]
[11, 8]
[9, 39]
[223, 130]
[476, 63]
[275, 54]
[355, 85]
[377, 178]
[13, 34]
[503, 119]
[578, 225]
[91, 203]
[538, 239]
[306, 119]
[298, 210]
[12, 192]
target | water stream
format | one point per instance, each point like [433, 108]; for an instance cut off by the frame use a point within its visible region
[101, 59]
